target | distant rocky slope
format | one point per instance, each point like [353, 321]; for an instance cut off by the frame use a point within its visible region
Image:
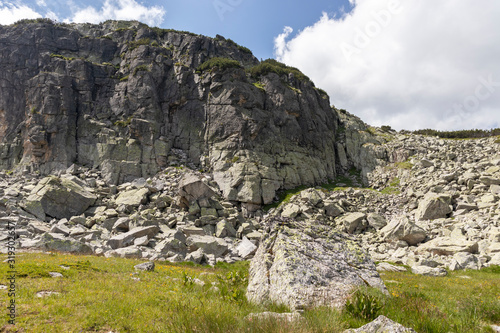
[121, 97]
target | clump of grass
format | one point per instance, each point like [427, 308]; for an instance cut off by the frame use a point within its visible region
[260, 85]
[404, 165]
[141, 68]
[123, 123]
[393, 187]
[53, 55]
[363, 305]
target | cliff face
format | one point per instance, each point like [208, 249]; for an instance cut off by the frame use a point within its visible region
[123, 97]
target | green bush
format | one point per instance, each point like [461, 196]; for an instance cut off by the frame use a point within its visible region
[273, 66]
[37, 20]
[462, 134]
[219, 64]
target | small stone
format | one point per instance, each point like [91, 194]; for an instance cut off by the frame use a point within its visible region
[146, 266]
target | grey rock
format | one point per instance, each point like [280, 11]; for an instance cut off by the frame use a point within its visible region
[434, 206]
[464, 260]
[333, 209]
[225, 229]
[293, 268]
[198, 257]
[127, 239]
[246, 248]
[447, 246]
[381, 325]
[353, 222]
[401, 228]
[376, 221]
[386, 267]
[146, 266]
[209, 245]
[59, 198]
[126, 252]
[192, 188]
[429, 271]
[57, 242]
[133, 197]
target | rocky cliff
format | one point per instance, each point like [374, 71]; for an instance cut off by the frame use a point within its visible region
[124, 98]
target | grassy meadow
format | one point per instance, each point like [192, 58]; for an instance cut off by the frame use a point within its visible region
[98, 294]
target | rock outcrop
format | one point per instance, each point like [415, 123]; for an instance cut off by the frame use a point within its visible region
[305, 264]
[125, 99]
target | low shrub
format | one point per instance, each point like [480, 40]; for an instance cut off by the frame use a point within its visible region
[218, 63]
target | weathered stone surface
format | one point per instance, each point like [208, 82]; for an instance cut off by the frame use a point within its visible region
[246, 248]
[381, 325]
[146, 266]
[192, 188]
[376, 221]
[303, 264]
[173, 245]
[57, 242]
[386, 267]
[434, 206]
[127, 239]
[209, 245]
[133, 197]
[401, 228]
[59, 198]
[353, 222]
[429, 271]
[448, 246]
[464, 260]
[225, 229]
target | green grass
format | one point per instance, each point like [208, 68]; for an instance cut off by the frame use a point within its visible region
[100, 294]
[260, 85]
[404, 165]
[53, 55]
[393, 187]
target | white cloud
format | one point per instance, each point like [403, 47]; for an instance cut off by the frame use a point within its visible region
[280, 42]
[120, 10]
[409, 65]
[11, 13]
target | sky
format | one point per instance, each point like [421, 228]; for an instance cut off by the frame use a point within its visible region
[408, 64]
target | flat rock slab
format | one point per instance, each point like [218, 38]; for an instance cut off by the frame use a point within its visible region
[133, 197]
[127, 239]
[429, 271]
[447, 246]
[304, 264]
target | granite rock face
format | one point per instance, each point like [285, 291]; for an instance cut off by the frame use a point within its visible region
[304, 264]
[125, 98]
